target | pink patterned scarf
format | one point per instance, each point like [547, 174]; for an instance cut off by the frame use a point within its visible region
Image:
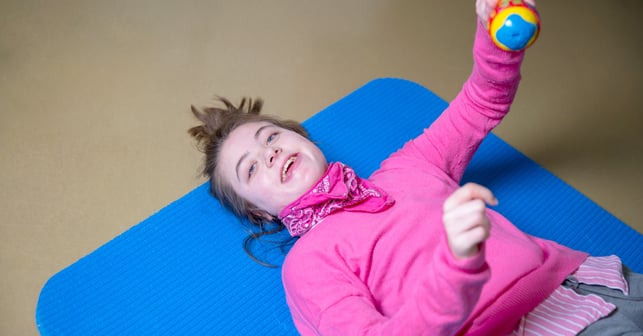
[339, 189]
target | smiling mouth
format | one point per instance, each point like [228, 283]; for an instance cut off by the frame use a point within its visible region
[287, 165]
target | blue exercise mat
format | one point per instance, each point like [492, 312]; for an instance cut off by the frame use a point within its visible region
[183, 271]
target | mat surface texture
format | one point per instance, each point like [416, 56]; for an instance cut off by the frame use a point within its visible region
[183, 271]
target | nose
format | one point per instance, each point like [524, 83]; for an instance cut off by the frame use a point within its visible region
[271, 155]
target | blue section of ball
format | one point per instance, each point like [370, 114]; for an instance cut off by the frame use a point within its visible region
[516, 32]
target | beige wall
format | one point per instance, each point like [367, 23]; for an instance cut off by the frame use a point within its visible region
[94, 99]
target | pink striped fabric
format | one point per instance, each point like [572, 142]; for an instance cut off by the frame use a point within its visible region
[566, 312]
[606, 271]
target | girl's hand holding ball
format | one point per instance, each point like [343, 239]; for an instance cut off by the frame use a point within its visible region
[514, 25]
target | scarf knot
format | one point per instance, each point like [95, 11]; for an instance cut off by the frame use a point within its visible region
[338, 189]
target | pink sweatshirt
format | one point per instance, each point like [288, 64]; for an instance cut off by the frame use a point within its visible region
[392, 273]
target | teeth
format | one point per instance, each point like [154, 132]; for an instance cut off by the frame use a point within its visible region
[286, 166]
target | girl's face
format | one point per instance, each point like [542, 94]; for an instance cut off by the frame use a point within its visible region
[270, 166]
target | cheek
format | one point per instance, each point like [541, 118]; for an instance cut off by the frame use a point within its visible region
[262, 193]
[321, 164]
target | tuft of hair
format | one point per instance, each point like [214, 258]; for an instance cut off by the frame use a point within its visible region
[214, 118]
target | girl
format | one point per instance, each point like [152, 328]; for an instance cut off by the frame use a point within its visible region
[409, 251]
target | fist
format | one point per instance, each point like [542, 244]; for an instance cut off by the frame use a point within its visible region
[465, 219]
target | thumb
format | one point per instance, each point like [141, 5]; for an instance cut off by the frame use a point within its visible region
[468, 192]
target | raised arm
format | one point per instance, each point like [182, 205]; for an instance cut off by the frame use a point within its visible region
[450, 142]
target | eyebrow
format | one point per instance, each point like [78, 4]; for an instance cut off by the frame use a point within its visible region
[260, 129]
[256, 136]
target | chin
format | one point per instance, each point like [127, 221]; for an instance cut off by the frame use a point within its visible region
[308, 182]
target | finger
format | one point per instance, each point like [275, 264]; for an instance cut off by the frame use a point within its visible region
[466, 212]
[467, 244]
[469, 192]
[461, 222]
[472, 237]
[483, 8]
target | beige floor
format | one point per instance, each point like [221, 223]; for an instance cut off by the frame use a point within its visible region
[94, 99]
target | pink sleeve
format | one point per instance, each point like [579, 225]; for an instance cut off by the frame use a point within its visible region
[450, 142]
[327, 300]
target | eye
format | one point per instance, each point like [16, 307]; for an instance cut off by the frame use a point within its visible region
[272, 138]
[252, 169]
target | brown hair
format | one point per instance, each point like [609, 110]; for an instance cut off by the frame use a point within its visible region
[217, 124]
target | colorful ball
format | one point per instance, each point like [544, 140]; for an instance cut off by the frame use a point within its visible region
[514, 27]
